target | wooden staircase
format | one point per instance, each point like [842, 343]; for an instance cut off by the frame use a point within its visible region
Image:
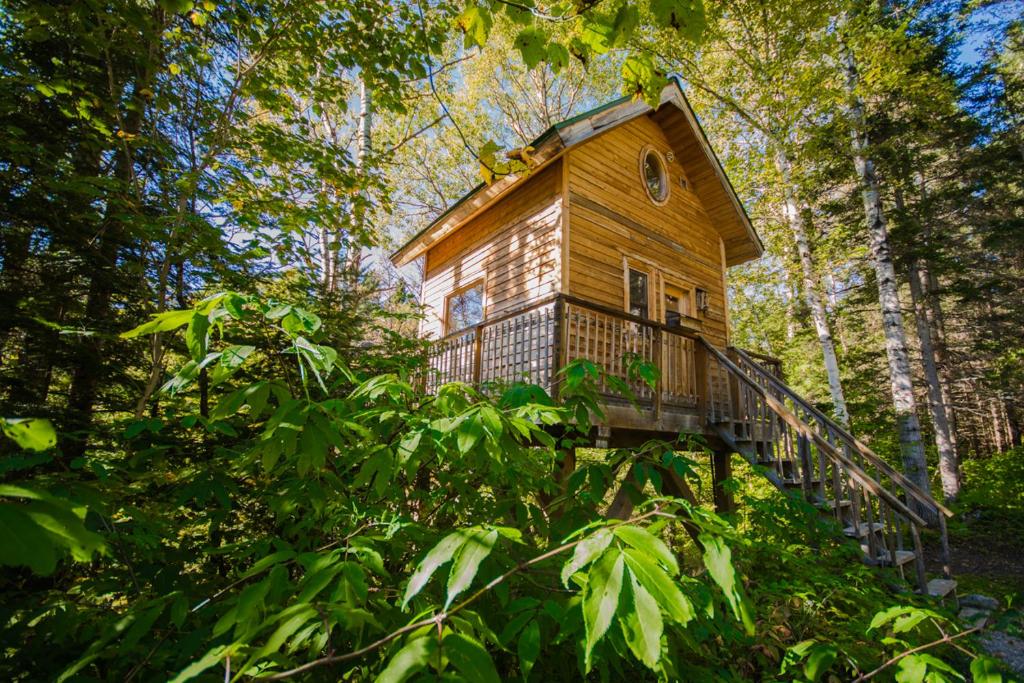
[801, 450]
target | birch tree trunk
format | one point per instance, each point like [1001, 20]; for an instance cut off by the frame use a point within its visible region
[949, 467]
[937, 327]
[900, 378]
[812, 294]
[363, 151]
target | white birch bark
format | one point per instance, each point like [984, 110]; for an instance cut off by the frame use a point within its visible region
[363, 150]
[900, 378]
[812, 295]
[949, 467]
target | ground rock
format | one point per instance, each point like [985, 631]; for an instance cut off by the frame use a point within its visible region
[1007, 648]
[974, 616]
[979, 601]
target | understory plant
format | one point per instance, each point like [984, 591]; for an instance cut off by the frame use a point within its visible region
[306, 522]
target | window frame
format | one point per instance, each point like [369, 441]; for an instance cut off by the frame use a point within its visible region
[645, 152]
[479, 282]
[667, 281]
[640, 266]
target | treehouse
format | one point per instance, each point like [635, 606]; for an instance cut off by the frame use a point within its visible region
[615, 248]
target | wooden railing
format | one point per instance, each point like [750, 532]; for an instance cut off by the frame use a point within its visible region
[519, 347]
[742, 400]
[532, 344]
[875, 503]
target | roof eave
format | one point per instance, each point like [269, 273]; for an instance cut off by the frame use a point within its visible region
[548, 147]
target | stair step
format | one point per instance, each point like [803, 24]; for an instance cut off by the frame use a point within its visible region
[845, 503]
[884, 557]
[797, 483]
[940, 588]
[863, 529]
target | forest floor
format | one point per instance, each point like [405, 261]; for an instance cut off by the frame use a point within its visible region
[987, 550]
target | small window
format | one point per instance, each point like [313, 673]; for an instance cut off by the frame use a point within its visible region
[638, 293]
[465, 308]
[702, 300]
[655, 176]
[677, 305]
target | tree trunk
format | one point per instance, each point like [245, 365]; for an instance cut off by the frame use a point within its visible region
[901, 380]
[89, 367]
[812, 294]
[937, 327]
[365, 148]
[949, 467]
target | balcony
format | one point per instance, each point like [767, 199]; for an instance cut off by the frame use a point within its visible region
[531, 345]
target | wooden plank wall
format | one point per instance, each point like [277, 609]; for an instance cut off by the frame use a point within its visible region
[611, 216]
[514, 245]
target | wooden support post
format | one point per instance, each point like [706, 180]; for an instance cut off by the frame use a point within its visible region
[557, 349]
[478, 338]
[659, 364]
[721, 469]
[622, 504]
[803, 447]
[700, 376]
[735, 404]
[676, 486]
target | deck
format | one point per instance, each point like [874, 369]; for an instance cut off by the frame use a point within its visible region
[737, 399]
[531, 345]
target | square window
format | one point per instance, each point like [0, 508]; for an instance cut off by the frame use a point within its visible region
[638, 293]
[465, 308]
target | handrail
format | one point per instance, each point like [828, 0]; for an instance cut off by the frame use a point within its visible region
[628, 317]
[863, 477]
[919, 494]
[762, 356]
[576, 301]
[540, 303]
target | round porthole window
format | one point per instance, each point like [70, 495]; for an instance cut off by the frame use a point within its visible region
[655, 175]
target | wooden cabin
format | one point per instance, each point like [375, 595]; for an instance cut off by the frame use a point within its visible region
[623, 231]
[616, 246]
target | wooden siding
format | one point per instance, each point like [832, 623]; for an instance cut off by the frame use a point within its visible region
[611, 216]
[514, 246]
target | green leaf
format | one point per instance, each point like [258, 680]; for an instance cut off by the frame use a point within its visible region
[585, 553]
[627, 18]
[469, 432]
[528, 648]
[986, 670]
[292, 619]
[211, 658]
[197, 336]
[645, 542]
[439, 555]
[476, 547]
[268, 561]
[819, 660]
[660, 585]
[31, 433]
[64, 526]
[23, 542]
[558, 57]
[685, 16]
[470, 658]
[642, 625]
[231, 359]
[601, 597]
[911, 669]
[642, 79]
[718, 560]
[598, 33]
[532, 45]
[475, 23]
[161, 322]
[410, 660]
